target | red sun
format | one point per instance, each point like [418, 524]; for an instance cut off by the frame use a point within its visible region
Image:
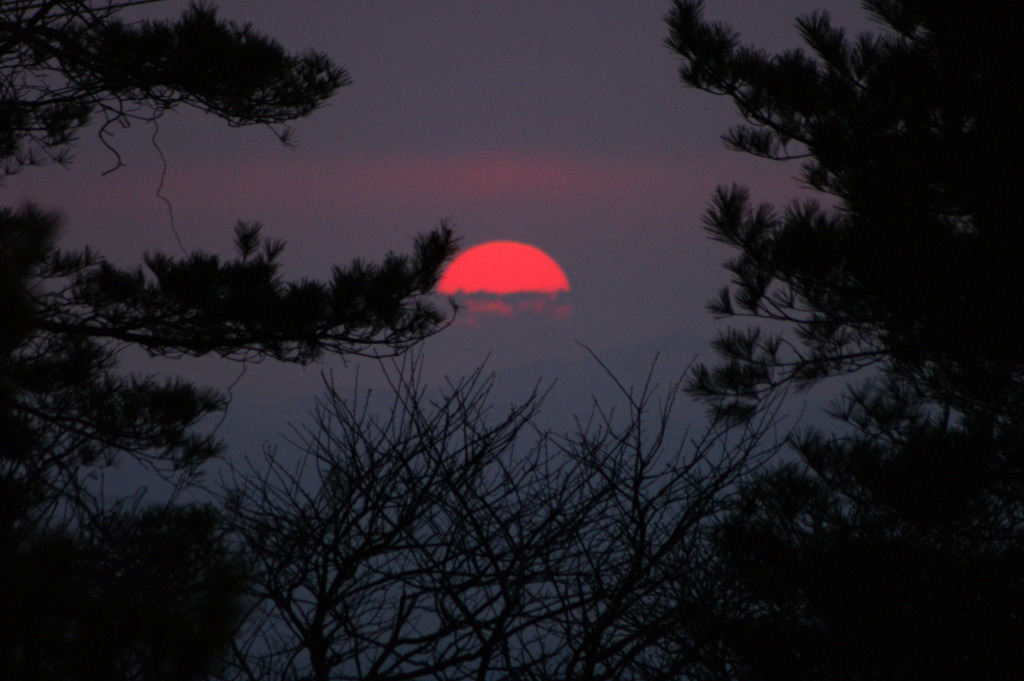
[503, 267]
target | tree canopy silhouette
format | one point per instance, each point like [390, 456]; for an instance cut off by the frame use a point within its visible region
[65, 63]
[65, 410]
[893, 548]
[911, 268]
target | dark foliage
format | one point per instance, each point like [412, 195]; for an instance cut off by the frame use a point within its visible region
[68, 406]
[93, 587]
[137, 595]
[913, 268]
[65, 62]
[894, 549]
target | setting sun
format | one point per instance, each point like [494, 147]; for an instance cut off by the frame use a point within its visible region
[503, 267]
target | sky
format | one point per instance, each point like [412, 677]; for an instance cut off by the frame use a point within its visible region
[560, 124]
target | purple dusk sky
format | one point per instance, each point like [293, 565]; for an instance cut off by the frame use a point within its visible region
[561, 124]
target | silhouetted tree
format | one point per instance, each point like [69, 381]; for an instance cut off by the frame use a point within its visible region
[893, 548]
[431, 538]
[145, 593]
[66, 62]
[139, 594]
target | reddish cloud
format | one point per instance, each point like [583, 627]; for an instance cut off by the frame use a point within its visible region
[492, 176]
[476, 306]
[458, 179]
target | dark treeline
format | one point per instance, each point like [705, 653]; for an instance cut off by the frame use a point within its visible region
[434, 536]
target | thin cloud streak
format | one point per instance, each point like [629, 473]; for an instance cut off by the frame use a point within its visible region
[467, 178]
[474, 307]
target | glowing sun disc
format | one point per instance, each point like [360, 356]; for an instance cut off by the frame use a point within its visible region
[503, 267]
